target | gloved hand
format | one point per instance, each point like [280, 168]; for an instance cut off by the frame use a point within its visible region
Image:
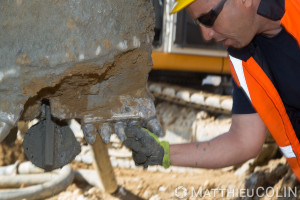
[146, 147]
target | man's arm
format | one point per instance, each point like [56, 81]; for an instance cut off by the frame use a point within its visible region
[242, 142]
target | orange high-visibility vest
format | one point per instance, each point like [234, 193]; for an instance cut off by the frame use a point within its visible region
[264, 97]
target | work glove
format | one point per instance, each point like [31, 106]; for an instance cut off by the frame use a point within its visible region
[146, 147]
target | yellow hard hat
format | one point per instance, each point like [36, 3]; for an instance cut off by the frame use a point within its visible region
[181, 4]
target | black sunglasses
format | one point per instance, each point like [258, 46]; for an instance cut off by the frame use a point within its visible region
[208, 19]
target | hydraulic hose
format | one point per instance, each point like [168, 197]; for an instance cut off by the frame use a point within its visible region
[55, 183]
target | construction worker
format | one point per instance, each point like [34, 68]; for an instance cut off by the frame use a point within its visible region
[263, 39]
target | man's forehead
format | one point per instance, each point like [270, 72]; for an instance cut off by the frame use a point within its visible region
[199, 7]
[202, 4]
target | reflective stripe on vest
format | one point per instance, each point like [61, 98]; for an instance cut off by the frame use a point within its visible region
[287, 151]
[238, 68]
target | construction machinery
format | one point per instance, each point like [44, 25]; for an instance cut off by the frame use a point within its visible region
[83, 60]
[182, 58]
[89, 61]
[179, 46]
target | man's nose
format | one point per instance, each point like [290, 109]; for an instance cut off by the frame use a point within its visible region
[208, 33]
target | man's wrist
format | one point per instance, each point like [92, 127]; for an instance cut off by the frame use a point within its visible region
[166, 159]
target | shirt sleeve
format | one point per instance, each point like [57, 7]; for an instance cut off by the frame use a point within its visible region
[241, 103]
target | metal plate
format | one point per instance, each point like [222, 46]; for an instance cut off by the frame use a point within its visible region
[50, 146]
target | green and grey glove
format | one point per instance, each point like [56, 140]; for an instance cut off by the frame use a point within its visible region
[146, 147]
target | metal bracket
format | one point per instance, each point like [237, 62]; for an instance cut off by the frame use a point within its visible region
[49, 144]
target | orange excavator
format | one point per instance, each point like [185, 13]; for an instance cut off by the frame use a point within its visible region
[179, 50]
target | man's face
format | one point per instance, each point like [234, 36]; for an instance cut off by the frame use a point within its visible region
[233, 26]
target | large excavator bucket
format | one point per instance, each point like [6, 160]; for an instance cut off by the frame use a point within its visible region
[89, 59]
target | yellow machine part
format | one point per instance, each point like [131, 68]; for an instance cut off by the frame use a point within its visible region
[183, 62]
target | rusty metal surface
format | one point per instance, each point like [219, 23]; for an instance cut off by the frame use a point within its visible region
[90, 59]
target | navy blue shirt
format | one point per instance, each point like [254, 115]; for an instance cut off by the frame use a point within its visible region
[282, 55]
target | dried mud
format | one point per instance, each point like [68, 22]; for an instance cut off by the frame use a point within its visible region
[72, 92]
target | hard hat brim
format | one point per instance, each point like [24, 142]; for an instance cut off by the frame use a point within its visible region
[181, 4]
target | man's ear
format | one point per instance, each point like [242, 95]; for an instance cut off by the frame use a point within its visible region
[247, 3]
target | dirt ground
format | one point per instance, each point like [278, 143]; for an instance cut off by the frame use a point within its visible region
[10, 153]
[156, 183]
[263, 178]
[137, 184]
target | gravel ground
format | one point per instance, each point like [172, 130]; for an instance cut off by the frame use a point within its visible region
[155, 183]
